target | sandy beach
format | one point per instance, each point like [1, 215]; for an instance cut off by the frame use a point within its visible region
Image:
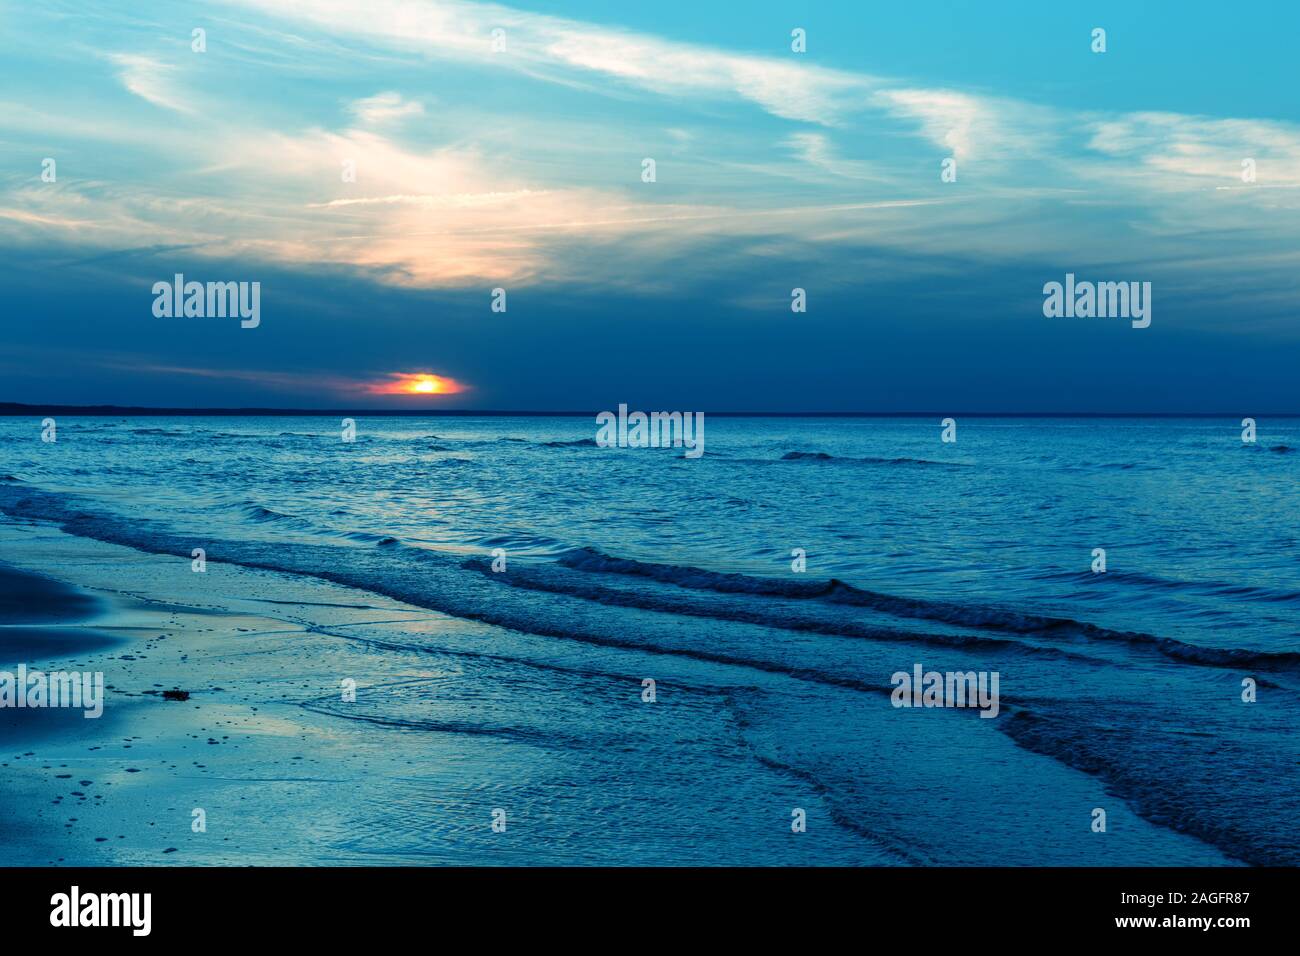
[278, 778]
[123, 788]
[259, 746]
[286, 770]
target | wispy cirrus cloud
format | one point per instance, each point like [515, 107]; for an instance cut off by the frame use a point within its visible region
[309, 384]
[816, 149]
[546, 44]
[150, 79]
[384, 108]
[970, 126]
[1175, 149]
[474, 193]
[966, 125]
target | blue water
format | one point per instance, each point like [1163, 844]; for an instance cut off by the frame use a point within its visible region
[970, 555]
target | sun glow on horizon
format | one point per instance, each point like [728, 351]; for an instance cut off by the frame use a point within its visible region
[416, 383]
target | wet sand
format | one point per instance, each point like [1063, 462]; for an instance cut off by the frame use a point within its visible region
[453, 719]
[276, 783]
[285, 770]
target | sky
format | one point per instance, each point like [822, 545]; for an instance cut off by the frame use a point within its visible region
[503, 147]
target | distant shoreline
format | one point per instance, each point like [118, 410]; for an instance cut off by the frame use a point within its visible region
[19, 409]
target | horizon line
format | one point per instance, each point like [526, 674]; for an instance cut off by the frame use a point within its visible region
[22, 409]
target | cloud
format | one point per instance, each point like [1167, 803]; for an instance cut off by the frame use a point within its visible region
[788, 87]
[446, 217]
[149, 79]
[1175, 150]
[418, 384]
[454, 201]
[415, 384]
[502, 195]
[969, 126]
[384, 108]
[815, 149]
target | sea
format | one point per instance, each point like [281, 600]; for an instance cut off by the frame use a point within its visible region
[694, 649]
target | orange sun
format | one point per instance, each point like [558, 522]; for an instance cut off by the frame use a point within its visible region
[416, 383]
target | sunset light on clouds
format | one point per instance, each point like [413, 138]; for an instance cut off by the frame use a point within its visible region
[331, 388]
[416, 383]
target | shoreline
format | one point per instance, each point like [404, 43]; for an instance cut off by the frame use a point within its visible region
[124, 788]
[444, 733]
[284, 771]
